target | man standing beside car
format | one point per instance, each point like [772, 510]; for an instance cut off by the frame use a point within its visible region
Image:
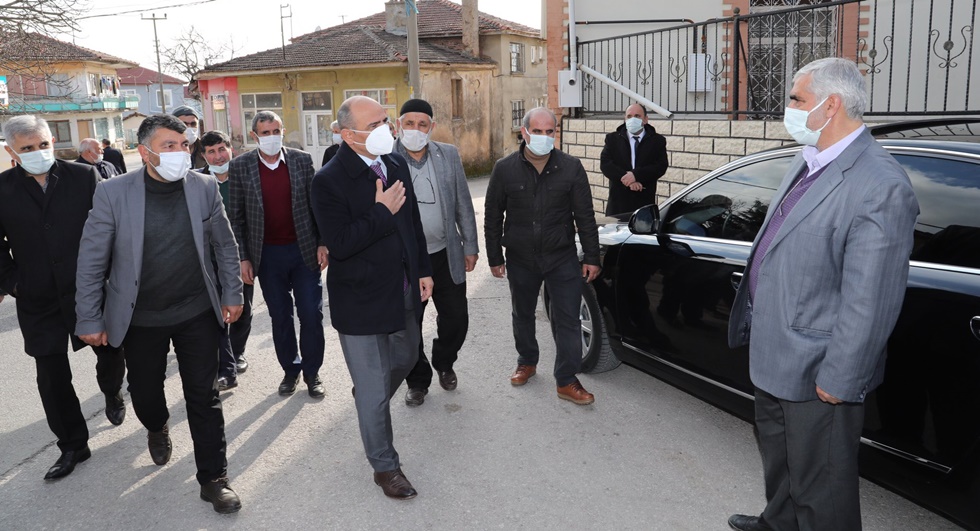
[634, 157]
[545, 195]
[822, 291]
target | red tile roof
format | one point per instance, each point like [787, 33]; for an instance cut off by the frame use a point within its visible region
[41, 48]
[365, 41]
[144, 76]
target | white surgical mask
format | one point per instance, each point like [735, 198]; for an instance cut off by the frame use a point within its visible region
[337, 139]
[414, 140]
[191, 134]
[219, 169]
[100, 158]
[37, 162]
[270, 145]
[174, 165]
[634, 125]
[379, 142]
[795, 122]
[541, 145]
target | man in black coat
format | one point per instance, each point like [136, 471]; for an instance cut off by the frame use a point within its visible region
[43, 207]
[90, 152]
[114, 156]
[331, 151]
[379, 274]
[634, 157]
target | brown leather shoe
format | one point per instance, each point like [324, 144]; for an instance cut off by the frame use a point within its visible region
[395, 484]
[523, 374]
[576, 393]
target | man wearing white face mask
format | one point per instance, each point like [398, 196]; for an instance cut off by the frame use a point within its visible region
[633, 158]
[90, 152]
[546, 197]
[269, 209]
[449, 222]
[823, 287]
[379, 276]
[192, 120]
[332, 150]
[43, 206]
[149, 239]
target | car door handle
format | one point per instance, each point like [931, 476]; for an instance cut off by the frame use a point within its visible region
[736, 279]
[975, 326]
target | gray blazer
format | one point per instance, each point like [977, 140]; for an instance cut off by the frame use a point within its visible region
[831, 285]
[457, 206]
[113, 235]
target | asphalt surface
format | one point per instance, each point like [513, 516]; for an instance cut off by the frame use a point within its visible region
[645, 456]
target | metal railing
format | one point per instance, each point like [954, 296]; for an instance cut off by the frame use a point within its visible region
[917, 57]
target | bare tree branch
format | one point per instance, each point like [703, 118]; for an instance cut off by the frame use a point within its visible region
[191, 52]
[40, 16]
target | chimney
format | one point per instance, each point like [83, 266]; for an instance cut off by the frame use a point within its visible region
[471, 28]
[396, 17]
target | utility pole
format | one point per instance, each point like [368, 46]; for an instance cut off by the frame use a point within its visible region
[282, 27]
[414, 76]
[156, 42]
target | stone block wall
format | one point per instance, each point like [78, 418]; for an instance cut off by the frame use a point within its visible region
[694, 147]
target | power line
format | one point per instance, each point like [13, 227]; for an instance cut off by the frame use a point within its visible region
[144, 10]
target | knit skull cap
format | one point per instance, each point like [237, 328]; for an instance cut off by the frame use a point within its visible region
[184, 110]
[416, 105]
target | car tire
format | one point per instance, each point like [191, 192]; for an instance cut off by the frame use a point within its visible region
[597, 353]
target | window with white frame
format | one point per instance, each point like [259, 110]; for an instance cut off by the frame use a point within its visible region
[516, 58]
[385, 96]
[167, 98]
[253, 103]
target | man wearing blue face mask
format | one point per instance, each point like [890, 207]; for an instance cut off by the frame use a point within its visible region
[545, 196]
[149, 239]
[43, 206]
[337, 140]
[269, 209]
[633, 158]
[823, 287]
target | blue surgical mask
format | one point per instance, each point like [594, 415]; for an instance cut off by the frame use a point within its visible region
[634, 125]
[795, 122]
[541, 145]
[219, 169]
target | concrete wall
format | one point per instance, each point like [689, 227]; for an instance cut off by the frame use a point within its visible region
[694, 147]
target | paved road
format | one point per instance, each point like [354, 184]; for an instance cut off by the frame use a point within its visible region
[487, 456]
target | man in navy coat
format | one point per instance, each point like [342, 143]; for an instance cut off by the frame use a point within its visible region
[379, 273]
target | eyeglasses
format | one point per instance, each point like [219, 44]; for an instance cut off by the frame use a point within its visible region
[420, 196]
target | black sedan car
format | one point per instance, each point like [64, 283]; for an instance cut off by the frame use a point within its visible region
[669, 278]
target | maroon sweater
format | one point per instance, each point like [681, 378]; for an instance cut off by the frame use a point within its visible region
[278, 205]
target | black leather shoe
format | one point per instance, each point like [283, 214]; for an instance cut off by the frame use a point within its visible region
[160, 446]
[447, 379]
[115, 409]
[218, 492]
[395, 484]
[315, 387]
[241, 365]
[227, 382]
[415, 397]
[66, 463]
[288, 385]
[742, 522]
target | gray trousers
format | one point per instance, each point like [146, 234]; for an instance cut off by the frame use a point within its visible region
[378, 364]
[810, 461]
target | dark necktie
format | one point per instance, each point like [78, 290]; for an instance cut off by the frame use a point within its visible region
[376, 167]
[636, 148]
[800, 186]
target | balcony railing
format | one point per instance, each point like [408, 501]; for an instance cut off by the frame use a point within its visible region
[85, 104]
[917, 58]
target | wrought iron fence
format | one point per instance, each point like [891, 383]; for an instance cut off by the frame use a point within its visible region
[917, 57]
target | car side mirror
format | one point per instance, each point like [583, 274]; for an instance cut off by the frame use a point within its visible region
[645, 220]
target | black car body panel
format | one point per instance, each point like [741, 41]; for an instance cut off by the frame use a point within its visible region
[665, 299]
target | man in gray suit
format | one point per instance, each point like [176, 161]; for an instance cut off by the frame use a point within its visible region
[157, 227]
[822, 290]
[449, 223]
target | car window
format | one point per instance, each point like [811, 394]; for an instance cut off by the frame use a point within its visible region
[732, 205]
[947, 230]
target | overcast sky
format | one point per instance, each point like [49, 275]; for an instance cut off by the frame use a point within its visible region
[251, 25]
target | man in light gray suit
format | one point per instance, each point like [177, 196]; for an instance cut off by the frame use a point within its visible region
[449, 223]
[157, 227]
[822, 290]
